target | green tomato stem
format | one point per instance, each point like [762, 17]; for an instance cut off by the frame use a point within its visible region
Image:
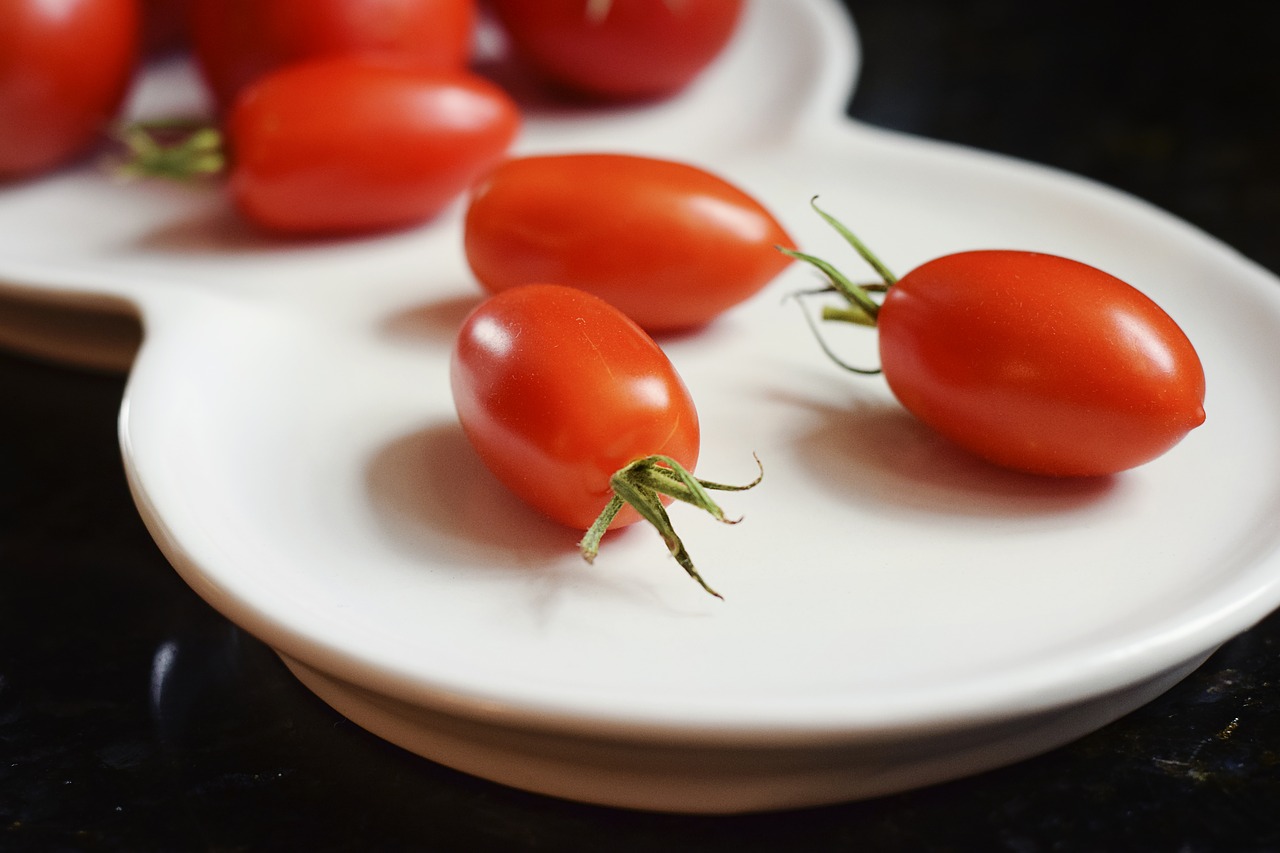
[858, 246]
[851, 314]
[826, 348]
[856, 295]
[175, 149]
[641, 485]
[860, 308]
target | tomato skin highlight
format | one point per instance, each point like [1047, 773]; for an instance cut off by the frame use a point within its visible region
[236, 42]
[556, 390]
[346, 145]
[638, 49]
[670, 245]
[65, 68]
[1039, 363]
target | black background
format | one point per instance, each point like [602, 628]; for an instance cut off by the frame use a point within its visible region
[1179, 108]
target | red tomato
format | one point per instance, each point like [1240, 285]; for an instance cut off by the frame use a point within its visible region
[668, 244]
[165, 25]
[619, 49]
[557, 391]
[578, 412]
[1039, 363]
[346, 144]
[65, 67]
[1031, 361]
[238, 41]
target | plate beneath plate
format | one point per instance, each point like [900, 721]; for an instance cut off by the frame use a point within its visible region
[687, 778]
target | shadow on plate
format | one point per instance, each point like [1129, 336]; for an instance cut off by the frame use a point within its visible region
[430, 322]
[215, 228]
[439, 321]
[432, 493]
[438, 504]
[875, 452]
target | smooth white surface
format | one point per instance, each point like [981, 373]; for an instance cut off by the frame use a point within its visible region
[896, 612]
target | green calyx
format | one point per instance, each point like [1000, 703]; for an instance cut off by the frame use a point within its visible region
[641, 485]
[177, 150]
[859, 305]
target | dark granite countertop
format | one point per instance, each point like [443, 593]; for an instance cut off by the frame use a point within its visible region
[133, 717]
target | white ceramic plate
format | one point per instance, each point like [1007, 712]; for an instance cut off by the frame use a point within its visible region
[896, 613]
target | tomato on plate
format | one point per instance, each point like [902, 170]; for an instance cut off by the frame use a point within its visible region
[165, 26]
[619, 49]
[65, 68]
[238, 41]
[670, 245]
[578, 412]
[348, 144]
[1032, 361]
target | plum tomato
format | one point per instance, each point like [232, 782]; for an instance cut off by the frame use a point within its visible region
[165, 26]
[238, 41]
[1032, 361]
[578, 412]
[619, 49]
[670, 245]
[348, 144]
[65, 68]
[557, 391]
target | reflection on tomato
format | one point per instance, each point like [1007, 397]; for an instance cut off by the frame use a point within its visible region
[669, 244]
[65, 68]
[620, 49]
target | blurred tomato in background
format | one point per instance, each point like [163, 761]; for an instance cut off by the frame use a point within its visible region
[238, 41]
[618, 49]
[65, 68]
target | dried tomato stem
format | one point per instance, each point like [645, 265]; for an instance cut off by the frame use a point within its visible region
[674, 468]
[641, 485]
[651, 509]
[590, 544]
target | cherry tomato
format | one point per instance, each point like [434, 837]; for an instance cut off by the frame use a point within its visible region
[557, 391]
[579, 413]
[1032, 361]
[348, 144]
[619, 49]
[165, 25]
[670, 245]
[65, 67]
[238, 41]
[1039, 363]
